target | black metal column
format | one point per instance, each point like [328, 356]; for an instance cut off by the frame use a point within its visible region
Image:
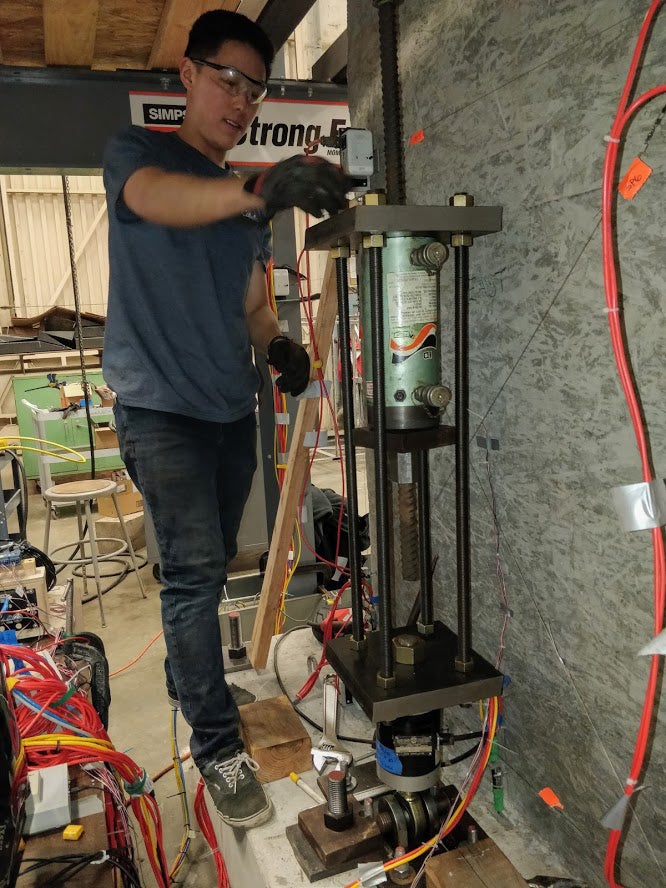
[350, 449]
[393, 145]
[425, 544]
[464, 655]
[385, 676]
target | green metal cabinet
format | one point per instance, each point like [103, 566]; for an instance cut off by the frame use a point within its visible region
[72, 432]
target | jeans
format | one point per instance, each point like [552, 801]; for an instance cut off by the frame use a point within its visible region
[195, 477]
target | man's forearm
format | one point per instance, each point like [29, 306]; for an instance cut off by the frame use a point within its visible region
[181, 200]
[263, 326]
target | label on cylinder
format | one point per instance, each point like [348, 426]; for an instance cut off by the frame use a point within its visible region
[412, 315]
[387, 759]
[412, 297]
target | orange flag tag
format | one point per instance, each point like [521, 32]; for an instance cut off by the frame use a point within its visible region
[636, 176]
[550, 798]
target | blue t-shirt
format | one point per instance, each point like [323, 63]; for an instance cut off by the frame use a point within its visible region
[176, 331]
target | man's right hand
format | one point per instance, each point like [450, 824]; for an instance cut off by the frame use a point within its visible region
[310, 183]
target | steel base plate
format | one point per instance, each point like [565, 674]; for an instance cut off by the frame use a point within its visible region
[349, 226]
[432, 684]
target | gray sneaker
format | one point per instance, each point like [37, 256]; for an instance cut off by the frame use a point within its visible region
[238, 796]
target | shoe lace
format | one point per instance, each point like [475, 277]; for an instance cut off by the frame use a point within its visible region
[232, 769]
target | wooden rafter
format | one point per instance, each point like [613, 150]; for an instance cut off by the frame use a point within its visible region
[70, 27]
[175, 23]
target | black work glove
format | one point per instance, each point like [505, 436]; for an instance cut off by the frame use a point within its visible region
[293, 363]
[310, 183]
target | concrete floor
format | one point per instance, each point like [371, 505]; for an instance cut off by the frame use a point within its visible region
[140, 716]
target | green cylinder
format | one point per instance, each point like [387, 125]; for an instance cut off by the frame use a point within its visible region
[411, 328]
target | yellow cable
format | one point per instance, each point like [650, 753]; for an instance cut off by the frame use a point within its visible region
[5, 445]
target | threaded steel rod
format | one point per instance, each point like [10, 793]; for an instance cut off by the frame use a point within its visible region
[463, 559]
[380, 453]
[425, 545]
[350, 449]
[393, 145]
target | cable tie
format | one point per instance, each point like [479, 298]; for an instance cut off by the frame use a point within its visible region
[610, 138]
[102, 859]
[65, 697]
[608, 310]
[631, 782]
[506, 610]
[141, 786]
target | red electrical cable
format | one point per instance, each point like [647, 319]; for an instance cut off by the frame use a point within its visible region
[623, 117]
[206, 827]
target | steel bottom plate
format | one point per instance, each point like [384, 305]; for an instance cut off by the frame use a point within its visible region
[432, 684]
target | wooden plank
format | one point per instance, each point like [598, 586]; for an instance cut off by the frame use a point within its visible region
[473, 866]
[177, 18]
[70, 28]
[295, 475]
[275, 738]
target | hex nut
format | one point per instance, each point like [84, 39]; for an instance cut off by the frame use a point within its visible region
[409, 649]
[338, 822]
[461, 199]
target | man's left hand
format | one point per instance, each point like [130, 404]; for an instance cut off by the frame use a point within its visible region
[293, 363]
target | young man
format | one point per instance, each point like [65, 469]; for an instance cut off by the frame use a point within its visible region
[188, 243]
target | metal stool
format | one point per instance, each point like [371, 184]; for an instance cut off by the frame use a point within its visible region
[82, 493]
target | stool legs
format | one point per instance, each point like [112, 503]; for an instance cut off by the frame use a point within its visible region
[82, 546]
[47, 526]
[93, 554]
[130, 547]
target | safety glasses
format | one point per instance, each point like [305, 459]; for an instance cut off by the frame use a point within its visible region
[235, 82]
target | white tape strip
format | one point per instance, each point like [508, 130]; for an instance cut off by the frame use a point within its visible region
[641, 506]
[371, 874]
[341, 564]
[281, 419]
[315, 439]
[615, 817]
[656, 646]
[316, 390]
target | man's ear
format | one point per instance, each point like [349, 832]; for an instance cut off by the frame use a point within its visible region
[186, 69]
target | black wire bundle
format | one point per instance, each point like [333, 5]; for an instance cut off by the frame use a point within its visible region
[73, 864]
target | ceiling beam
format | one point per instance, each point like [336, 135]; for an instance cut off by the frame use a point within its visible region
[251, 8]
[332, 64]
[70, 27]
[178, 16]
[279, 18]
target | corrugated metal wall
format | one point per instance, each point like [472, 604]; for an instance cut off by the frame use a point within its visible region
[34, 212]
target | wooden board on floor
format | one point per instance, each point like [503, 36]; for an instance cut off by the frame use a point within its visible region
[52, 844]
[473, 866]
[275, 738]
[298, 463]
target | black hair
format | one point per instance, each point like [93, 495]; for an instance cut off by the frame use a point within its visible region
[214, 28]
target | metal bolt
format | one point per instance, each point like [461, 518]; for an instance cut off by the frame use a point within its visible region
[433, 395]
[400, 395]
[472, 834]
[368, 808]
[337, 815]
[236, 647]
